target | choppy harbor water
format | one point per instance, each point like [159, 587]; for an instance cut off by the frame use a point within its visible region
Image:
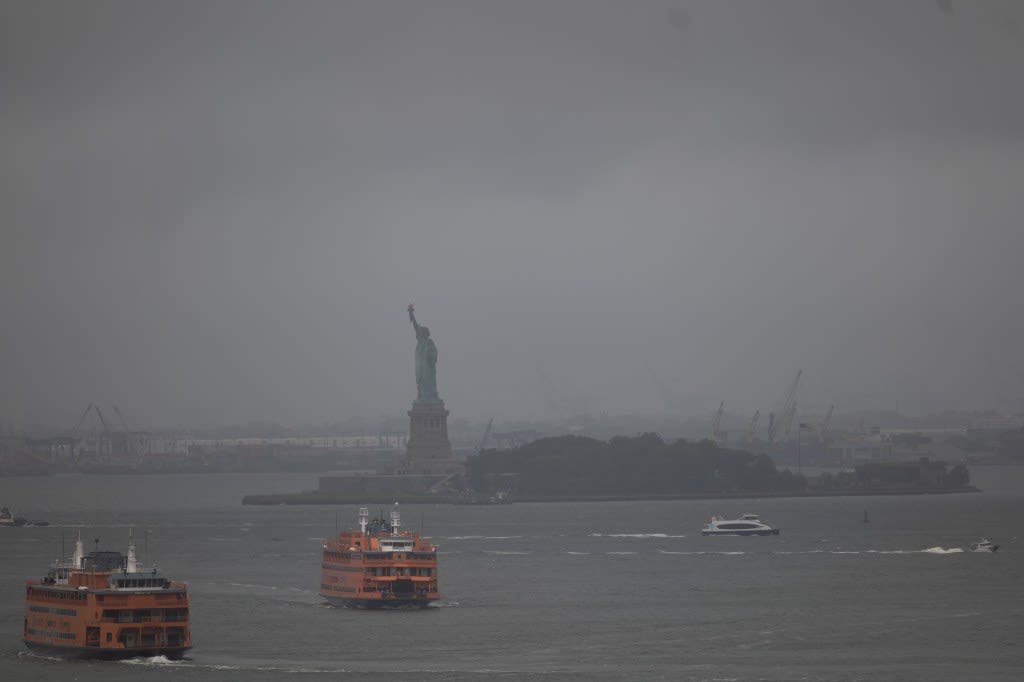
[560, 591]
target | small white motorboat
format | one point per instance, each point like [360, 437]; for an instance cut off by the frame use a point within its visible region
[748, 524]
[984, 545]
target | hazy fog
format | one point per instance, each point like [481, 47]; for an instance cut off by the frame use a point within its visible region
[216, 212]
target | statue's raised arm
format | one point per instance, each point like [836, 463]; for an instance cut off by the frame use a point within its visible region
[412, 318]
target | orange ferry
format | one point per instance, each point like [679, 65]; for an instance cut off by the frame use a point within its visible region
[379, 566]
[104, 605]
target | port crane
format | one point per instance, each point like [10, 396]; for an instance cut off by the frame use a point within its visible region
[487, 434]
[753, 425]
[92, 407]
[124, 422]
[716, 432]
[790, 410]
[103, 420]
[787, 412]
[110, 440]
[823, 431]
[81, 419]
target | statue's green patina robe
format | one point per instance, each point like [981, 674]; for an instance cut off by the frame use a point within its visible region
[426, 363]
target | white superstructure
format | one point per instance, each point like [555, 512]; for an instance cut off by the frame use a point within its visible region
[748, 524]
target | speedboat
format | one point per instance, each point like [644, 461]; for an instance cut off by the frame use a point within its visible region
[984, 545]
[748, 524]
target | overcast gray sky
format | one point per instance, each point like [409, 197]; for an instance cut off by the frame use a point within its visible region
[216, 212]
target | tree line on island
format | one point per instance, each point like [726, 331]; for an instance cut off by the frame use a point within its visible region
[644, 464]
[579, 466]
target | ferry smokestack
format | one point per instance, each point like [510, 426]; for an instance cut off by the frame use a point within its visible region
[396, 520]
[76, 559]
[132, 563]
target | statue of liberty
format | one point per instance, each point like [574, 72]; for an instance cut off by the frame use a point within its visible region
[426, 363]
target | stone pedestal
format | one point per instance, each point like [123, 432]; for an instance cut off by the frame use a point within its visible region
[428, 450]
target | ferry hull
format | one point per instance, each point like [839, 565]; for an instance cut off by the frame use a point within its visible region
[411, 603]
[105, 654]
[773, 531]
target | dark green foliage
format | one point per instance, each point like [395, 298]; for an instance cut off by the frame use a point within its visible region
[645, 464]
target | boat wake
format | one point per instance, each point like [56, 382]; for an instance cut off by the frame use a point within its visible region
[909, 552]
[930, 550]
[442, 604]
[703, 553]
[155, 661]
[286, 667]
[484, 537]
[22, 653]
[635, 535]
[943, 550]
